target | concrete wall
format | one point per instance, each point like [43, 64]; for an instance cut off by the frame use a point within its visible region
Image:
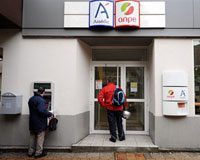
[50, 13]
[174, 132]
[173, 55]
[63, 61]
[43, 59]
[151, 83]
[46, 18]
[177, 133]
[70, 129]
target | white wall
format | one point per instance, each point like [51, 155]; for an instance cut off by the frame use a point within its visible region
[44, 59]
[151, 82]
[173, 55]
[83, 56]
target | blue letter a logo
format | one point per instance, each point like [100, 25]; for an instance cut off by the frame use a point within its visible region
[104, 11]
[183, 93]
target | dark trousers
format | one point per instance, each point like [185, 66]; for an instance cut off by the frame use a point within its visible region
[112, 116]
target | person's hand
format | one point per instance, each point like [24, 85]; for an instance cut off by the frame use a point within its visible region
[51, 111]
[50, 118]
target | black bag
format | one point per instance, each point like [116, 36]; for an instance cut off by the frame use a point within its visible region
[53, 124]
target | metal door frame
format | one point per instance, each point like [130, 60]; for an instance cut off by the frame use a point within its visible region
[123, 65]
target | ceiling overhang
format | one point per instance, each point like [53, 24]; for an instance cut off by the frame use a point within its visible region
[11, 14]
[117, 41]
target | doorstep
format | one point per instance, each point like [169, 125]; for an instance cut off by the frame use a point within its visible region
[101, 143]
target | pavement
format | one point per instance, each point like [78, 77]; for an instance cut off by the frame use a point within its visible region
[51, 155]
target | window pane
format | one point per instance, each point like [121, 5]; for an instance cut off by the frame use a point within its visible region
[101, 76]
[119, 54]
[197, 76]
[135, 82]
[100, 118]
[136, 121]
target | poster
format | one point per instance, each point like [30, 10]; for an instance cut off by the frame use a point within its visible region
[98, 84]
[133, 86]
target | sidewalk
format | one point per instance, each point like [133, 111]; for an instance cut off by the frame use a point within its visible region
[104, 156]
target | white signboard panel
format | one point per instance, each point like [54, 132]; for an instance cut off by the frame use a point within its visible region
[152, 14]
[175, 93]
[101, 13]
[175, 79]
[127, 13]
[174, 109]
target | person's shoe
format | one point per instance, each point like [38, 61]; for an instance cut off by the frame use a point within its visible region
[122, 138]
[31, 155]
[43, 154]
[112, 139]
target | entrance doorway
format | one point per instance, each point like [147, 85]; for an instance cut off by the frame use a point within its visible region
[131, 77]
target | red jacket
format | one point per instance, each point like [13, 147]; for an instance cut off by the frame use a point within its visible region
[105, 98]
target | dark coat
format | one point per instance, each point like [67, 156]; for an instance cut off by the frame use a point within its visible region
[38, 113]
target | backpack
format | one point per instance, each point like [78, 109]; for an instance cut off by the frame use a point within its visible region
[118, 97]
[53, 124]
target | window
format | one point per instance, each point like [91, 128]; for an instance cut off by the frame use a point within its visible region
[1, 61]
[119, 54]
[197, 75]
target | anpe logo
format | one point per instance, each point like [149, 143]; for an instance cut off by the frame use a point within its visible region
[170, 92]
[127, 9]
[127, 13]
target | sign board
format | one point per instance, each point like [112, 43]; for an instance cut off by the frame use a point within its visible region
[101, 13]
[175, 79]
[127, 13]
[99, 84]
[174, 109]
[175, 93]
[133, 87]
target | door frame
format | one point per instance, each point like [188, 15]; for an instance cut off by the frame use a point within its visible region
[123, 65]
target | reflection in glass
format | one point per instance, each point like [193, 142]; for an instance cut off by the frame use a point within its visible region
[101, 76]
[197, 76]
[136, 121]
[119, 54]
[135, 82]
[101, 120]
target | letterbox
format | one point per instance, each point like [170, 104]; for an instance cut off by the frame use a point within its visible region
[175, 93]
[11, 103]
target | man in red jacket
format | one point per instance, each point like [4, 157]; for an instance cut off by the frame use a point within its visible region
[105, 98]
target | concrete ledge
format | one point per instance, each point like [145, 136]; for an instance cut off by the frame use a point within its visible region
[113, 149]
[178, 149]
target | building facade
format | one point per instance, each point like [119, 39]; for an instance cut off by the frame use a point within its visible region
[56, 47]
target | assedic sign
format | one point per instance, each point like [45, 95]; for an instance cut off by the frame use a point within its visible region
[127, 13]
[175, 93]
[101, 13]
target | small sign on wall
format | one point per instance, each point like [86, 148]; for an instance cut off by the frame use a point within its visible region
[133, 87]
[127, 13]
[99, 84]
[175, 93]
[101, 13]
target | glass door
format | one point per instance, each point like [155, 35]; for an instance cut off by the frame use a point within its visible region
[135, 93]
[132, 80]
[101, 73]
